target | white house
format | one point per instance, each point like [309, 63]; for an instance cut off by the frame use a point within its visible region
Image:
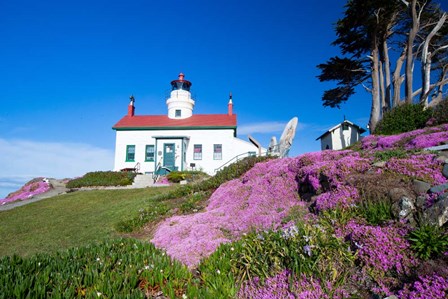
[341, 136]
[179, 140]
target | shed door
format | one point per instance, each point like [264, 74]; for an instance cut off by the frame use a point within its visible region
[168, 155]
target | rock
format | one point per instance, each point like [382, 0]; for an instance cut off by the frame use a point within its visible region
[439, 188]
[441, 159]
[404, 209]
[183, 182]
[396, 194]
[420, 202]
[445, 170]
[443, 196]
[437, 214]
[380, 164]
[420, 187]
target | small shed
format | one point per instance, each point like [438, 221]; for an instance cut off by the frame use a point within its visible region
[341, 136]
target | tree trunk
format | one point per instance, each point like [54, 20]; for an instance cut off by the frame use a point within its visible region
[398, 78]
[410, 51]
[387, 75]
[382, 87]
[376, 101]
[427, 61]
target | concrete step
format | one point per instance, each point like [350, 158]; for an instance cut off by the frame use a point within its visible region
[142, 181]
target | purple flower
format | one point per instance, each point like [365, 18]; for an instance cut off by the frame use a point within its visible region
[426, 287]
[30, 189]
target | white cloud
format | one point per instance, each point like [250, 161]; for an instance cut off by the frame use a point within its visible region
[266, 127]
[22, 160]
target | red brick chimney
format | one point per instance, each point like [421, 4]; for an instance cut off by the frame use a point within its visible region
[131, 108]
[230, 105]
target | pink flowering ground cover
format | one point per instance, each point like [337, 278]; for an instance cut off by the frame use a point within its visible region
[334, 165]
[259, 200]
[262, 197]
[423, 166]
[382, 252]
[426, 287]
[30, 189]
[417, 139]
[284, 285]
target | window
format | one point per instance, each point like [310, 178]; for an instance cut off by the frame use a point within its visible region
[178, 113]
[149, 153]
[197, 152]
[130, 153]
[217, 151]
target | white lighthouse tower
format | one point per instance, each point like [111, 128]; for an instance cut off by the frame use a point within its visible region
[180, 104]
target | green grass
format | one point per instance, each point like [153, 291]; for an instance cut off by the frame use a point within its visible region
[73, 219]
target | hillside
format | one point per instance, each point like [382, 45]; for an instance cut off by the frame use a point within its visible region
[358, 223]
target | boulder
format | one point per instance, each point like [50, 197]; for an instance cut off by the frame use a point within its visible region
[439, 189]
[420, 187]
[403, 205]
[396, 194]
[380, 164]
[445, 170]
[437, 214]
[420, 202]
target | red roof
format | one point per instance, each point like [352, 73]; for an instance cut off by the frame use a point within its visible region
[163, 122]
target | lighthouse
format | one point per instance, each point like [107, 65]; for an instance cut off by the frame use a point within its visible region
[180, 104]
[179, 139]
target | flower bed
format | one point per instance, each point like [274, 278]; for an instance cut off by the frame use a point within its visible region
[30, 189]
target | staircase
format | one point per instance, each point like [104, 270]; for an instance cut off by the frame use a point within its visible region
[142, 181]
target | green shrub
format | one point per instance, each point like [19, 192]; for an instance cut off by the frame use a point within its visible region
[307, 249]
[122, 268]
[191, 176]
[403, 118]
[102, 178]
[156, 212]
[376, 212]
[193, 203]
[176, 176]
[440, 112]
[428, 241]
[386, 155]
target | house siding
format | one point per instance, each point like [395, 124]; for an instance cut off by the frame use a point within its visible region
[231, 147]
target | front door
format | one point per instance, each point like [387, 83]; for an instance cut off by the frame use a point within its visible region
[168, 155]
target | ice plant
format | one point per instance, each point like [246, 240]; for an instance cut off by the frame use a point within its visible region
[417, 139]
[343, 197]
[382, 252]
[284, 285]
[424, 167]
[426, 287]
[30, 189]
[259, 200]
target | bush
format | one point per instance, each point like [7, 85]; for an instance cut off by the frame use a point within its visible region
[102, 178]
[386, 155]
[428, 241]
[114, 269]
[376, 212]
[440, 112]
[190, 176]
[303, 249]
[403, 118]
[176, 176]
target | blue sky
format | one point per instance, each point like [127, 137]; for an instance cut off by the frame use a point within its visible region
[67, 70]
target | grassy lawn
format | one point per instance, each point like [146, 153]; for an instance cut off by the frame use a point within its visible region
[69, 220]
